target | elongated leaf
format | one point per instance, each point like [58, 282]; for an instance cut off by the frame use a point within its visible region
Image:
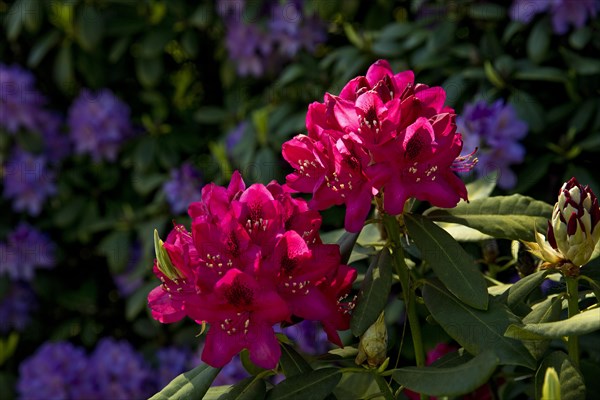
[449, 381]
[547, 311]
[252, 388]
[518, 292]
[580, 324]
[452, 264]
[477, 330]
[356, 386]
[215, 392]
[482, 187]
[346, 243]
[41, 48]
[374, 293]
[571, 381]
[509, 217]
[386, 391]
[462, 233]
[315, 385]
[189, 385]
[539, 41]
[292, 362]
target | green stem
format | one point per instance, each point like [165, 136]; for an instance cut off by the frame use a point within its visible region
[573, 302]
[393, 232]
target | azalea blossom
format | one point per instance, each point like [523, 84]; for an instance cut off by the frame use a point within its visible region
[252, 259]
[383, 135]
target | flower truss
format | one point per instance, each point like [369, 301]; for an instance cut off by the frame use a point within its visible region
[383, 133]
[253, 259]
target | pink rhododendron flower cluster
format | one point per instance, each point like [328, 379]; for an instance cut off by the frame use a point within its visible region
[253, 258]
[385, 134]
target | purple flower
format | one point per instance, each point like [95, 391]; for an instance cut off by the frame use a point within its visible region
[28, 182]
[495, 129]
[57, 145]
[55, 371]
[234, 137]
[230, 8]
[20, 102]
[116, 371]
[231, 373]
[248, 48]
[273, 37]
[184, 187]
[172, 361]
[25, 249]
[15, 307]
[564, 12]
[99, 123]
[309, 337]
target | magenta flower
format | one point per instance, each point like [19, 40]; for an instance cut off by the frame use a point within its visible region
[383, 135]
[253, 259]
[242, 314]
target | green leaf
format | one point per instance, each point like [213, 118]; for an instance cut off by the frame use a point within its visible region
[118, 49]
[210, 115]
[314, 385]
[529, 109]
[8, 346]
[90, 27]
[63, 68]
[252, 388]
[451, 263]
[149, 70]
[508, 217]
[549, 74]
[346, 241]
[357, 386]
[41, 48]
[374, 293]
[291, 362]
[385, 388]
[477, 330]
[580, 324]
[216, 392]
[583, 65]
[539, 40]
[572, 386]
[533, 172]
[453, 381]
[579, 38]
[115, 247]
[493, 76]
[189, 385]
[486, 11]
[546, 311]
[483, 187]
[518, 292]
[138, 300]
[463, 233]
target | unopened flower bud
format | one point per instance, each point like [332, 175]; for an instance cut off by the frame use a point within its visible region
[373, 344]
[574, 229]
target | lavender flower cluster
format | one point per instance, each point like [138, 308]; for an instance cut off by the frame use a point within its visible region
[495, 130]
[262, 43]
[184, 187]
[24, 250]
[98, 124]
[16, 305]
[114, 370]
[563, 12]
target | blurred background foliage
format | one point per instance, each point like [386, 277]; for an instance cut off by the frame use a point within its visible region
[210, 87]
